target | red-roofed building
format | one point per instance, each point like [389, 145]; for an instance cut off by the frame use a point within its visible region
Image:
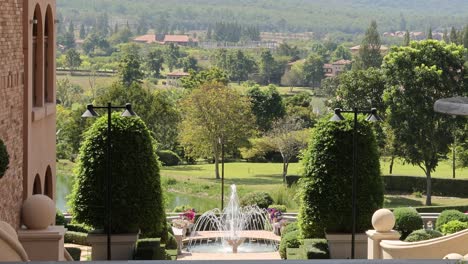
[182, 40]
[335, 68]
[173, 78]
[150, 38]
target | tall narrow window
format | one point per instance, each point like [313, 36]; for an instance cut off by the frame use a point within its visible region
[37, 59]
[48, 56]
[37, 187]
[48, 183]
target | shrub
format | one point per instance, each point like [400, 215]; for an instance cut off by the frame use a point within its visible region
[137, 201]
[78, 228]
[278, 207]
[74, 252]
[453, 227]
[327, 184]
[290, 240]
[422, 234]
[316, 248]
[169, 158]
[260, 199]
[407, 220]
[289, 228]
[76, 238]
[4, 159]
[149, 249]
[450, 215]
[171, 241]
[181, 208]
[60, 219]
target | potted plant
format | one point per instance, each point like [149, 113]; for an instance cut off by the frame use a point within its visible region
[327, 186]
[136, 200]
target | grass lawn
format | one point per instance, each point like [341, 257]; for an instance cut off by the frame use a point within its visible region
[83, 81]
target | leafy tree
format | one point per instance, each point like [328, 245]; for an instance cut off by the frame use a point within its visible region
[369, 52]
[171, 56]
[236, 64]
[69, 37]
[299, 107]
[189, 63]
[342, 53]
[406, 39]
[417, 76]
[70, 127]
[130, 66]
[294, 76]
[445, 36]
[82, 31]
[93, 42]
[284, 49]
[68, 93]
[362, 89]
[195, 80]
[267, 105]
[102, 25]
[120, 36]
[429, 33]
[453, 36]
[154, 63]
[270, 70]
[212, 113]
[72, 59]
[287, 137]
[465, 37]
[313, 69]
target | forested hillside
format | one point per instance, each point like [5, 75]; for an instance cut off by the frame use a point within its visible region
[347, 16]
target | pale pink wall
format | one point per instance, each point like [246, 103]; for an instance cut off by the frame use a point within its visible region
[39, 121]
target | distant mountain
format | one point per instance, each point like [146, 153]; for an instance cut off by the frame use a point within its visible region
[347, 16]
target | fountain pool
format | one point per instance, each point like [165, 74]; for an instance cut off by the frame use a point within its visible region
[234, 229]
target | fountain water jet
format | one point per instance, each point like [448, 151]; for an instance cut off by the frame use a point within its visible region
[231, 226]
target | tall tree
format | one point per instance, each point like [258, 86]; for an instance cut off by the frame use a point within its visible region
[82, 31]
[429, 33]
[445, 36]
[72, 59]
[417, 76]
[154, 63]
[313, 70]
[214, 113]
[267, 105]
[189, 63]
[341, 53]
[195, 80]
[453, 36]
[130, 66]
[407, 39]
[369, 52]
[267, 67]
[172, 55]
[465, 37]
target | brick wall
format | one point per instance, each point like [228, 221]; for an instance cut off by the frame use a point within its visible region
[11, 107]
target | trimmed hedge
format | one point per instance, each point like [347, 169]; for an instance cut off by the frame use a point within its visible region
[169, 158]
[422, 234]
[439, 209]
[74, 252]
[289, 240]
[441, 187]
[453, 227]
[137, 201]
[327, 184]
[78, 228]
[290, 227]
[59, 218]
[149, 249]
[260, 199]
[171, 241]
[316, 248]
[76, 238]
[4, 159]
[450, 215]
[407, 220]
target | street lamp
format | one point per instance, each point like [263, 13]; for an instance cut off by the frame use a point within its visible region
[372, 117]
[90, 113]
[222, 172]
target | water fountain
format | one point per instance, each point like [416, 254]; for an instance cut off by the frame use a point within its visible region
[235, 226]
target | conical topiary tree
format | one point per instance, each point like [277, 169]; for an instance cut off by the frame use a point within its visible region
[137, 201]
[327, 184]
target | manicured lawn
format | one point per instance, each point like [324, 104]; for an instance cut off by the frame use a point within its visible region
[83, 81]
[444, 170]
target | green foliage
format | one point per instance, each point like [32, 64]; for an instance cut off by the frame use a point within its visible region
[278, 207]
[130, 66]
[172, 54]
[328, 166]
[72, 59]
[313, 70]
[369, 52]
[4, 158]
[235, 63]
[136, 190]
[289, 240]
[260, 199]
[316, 248]
[59, 218]
[181, 208]
[423, 72]
[290, 227]
[292, 179]
[171, 242]
[453, 227]
[74, 252]
[440, 186]
[154, 63]
[267, 105]
[75, 227]
[269, 69]
[149, 249]
[169, 158]
[70, 126]
[450, 215]
[422, 234]
[76, 238]
[196, 80]
[406, 221]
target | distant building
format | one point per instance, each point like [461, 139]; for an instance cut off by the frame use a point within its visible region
[173, 78]
[335, 68]
[150, 38]
[355, 49]
[181, 40]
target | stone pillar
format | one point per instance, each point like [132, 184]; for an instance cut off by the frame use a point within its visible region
[43, 245]
[383, 221]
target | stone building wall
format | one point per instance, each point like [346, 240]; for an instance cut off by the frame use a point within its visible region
[11, 107]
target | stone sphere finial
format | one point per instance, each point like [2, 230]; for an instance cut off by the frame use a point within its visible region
[453, 256]
[383, 220]
[38, 212]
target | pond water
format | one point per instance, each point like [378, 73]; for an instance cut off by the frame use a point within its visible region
[201, 204]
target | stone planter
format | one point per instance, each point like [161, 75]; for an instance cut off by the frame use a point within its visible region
[122, 246]
[340, 245]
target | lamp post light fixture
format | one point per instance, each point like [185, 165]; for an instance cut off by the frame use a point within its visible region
[90, 113]
[221, 142]
[372, 117]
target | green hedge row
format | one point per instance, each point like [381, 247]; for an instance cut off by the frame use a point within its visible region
[439, 209]
[150, 249]
[77, 238]
[410, 184]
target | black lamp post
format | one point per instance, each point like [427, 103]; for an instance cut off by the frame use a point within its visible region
[91, 113]
[373, 117]
[222, 172]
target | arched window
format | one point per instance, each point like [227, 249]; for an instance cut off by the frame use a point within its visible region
[48, 183]
[37, 187]
[49, 56]
[37, 58]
